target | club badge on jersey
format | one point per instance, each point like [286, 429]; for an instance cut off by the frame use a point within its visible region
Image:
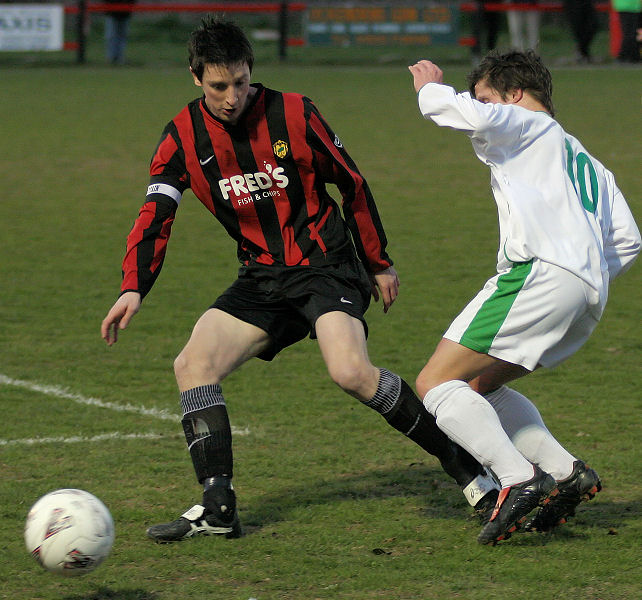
[280, 148]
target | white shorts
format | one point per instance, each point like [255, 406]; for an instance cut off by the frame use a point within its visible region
[536, 313]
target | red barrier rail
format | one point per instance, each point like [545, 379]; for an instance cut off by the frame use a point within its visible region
[540, 7]
[300, 6]
[266, 7]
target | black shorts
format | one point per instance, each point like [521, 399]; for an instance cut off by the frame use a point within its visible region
[286, 301]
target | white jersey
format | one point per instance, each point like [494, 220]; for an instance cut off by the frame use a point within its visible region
[555, 201]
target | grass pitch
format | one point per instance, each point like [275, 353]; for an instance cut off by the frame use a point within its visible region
[335, 503]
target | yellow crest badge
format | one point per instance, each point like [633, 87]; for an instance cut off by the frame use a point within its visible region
[280, 148]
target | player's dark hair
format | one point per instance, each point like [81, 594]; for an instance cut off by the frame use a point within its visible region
[218, 42]
[514, 70]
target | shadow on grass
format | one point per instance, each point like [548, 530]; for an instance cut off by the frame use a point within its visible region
[443, 497]
[109, 594]
[594, 518]
[606, 517]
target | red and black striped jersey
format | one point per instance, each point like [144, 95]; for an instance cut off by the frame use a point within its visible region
[264, 179]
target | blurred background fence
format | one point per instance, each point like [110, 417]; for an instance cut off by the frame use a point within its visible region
[312, 31]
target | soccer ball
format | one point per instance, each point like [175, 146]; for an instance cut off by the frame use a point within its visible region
[69, 532]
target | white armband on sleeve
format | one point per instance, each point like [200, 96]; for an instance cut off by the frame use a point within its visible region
[166, 190]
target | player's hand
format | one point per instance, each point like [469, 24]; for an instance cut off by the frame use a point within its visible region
[119, 316]
[424, 72]
[385, 284]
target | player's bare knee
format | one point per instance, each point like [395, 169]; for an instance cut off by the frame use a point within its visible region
[355, 378]
[348, 381]
[180, 365]
[421, 386]
[425, 382]
[188, 366]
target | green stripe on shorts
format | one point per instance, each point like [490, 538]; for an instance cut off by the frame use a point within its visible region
[483, 328]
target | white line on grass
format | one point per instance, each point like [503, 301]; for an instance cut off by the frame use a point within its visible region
[58, 392]
[116, 435]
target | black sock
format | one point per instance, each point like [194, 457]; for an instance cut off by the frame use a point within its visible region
[401, 408]
[207, 431]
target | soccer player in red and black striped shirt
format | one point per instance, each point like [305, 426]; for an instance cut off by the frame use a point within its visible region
[260, 160]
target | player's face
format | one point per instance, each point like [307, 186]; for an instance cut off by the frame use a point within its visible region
[226, 89]
[488, 95]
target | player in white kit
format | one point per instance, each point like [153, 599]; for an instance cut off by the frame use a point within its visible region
[565, 233]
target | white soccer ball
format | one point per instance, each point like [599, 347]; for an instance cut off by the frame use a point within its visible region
[69, 532]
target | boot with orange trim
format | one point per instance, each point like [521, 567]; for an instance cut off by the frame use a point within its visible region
[581, 486]
[514, 505]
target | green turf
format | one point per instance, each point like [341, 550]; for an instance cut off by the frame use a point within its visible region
[336, 504]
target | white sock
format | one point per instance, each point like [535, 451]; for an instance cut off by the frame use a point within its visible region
[524, 426]
[470, 421]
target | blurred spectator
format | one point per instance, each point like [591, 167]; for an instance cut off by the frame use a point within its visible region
[582, 17]
[485, 30]
[629, 12]
[117, 32]
[523, 26]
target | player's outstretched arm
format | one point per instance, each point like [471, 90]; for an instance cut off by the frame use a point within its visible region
[424, 72]
[119, 316]
[386, 285]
